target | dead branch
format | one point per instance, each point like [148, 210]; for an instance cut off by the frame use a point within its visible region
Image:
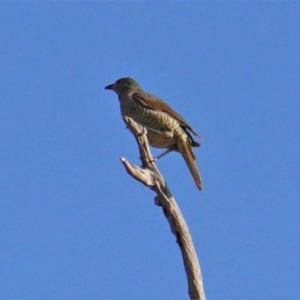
[150, 176]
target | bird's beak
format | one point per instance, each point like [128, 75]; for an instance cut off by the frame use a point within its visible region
[109, 87]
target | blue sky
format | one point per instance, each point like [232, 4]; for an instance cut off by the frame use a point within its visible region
[74, 225]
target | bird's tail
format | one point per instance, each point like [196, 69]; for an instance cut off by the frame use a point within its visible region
[190, 159]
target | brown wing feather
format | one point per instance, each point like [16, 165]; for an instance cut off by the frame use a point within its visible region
[154, 103]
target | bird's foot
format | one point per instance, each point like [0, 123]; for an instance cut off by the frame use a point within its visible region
[155, 159]
[142, 132]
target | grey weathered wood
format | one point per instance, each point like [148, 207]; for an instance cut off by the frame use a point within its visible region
[150, 176]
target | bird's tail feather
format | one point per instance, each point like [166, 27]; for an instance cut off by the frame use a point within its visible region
[190, 159]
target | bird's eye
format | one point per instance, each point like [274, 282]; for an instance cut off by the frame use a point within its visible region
[118, 81]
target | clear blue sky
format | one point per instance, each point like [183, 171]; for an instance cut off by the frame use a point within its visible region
[74, 225]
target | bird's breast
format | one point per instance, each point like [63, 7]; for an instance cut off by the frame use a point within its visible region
[157, 121]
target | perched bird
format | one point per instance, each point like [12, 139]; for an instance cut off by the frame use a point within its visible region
[166, 128]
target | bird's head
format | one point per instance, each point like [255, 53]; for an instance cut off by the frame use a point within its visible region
[123, 84]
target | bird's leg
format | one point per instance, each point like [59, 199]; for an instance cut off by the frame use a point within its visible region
[162, 154]
[170, 149]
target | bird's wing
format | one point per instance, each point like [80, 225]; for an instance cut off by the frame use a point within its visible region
[154, 103]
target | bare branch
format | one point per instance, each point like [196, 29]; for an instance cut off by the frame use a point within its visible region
[150, 176]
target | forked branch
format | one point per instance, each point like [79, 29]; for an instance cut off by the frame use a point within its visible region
[150, 176]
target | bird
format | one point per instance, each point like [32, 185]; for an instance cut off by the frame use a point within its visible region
[165, 127]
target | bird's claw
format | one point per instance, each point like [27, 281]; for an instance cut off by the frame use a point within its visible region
[153, 160]
[143, 131]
